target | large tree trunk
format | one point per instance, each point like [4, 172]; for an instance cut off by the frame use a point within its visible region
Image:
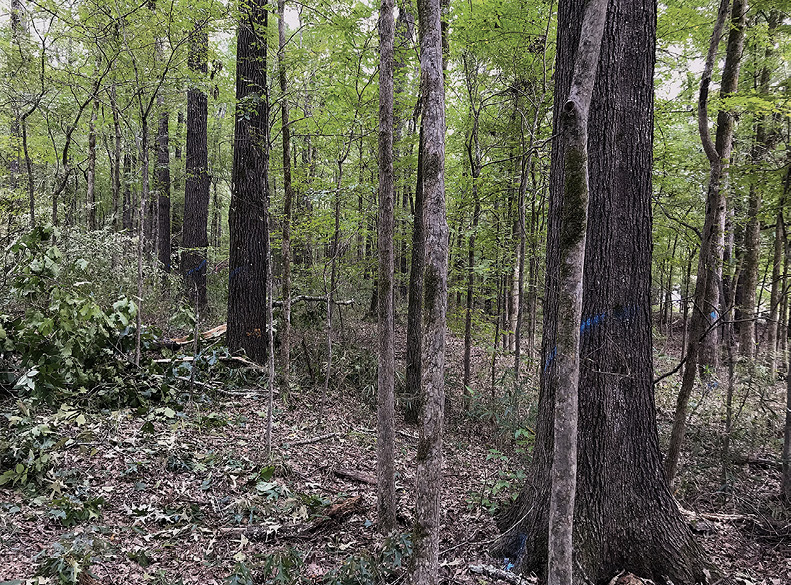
[624, 516]
[425, 558]
[701, 345]
[194, 236]
[565, 368]
[288, 198]
[247, 215]
[385, 411]
[163, 187]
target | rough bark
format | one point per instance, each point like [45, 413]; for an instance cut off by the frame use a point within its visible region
[425, 558]
[194, 236]
[288, 199]
[701, 343]
[385, 411]
[414, 334]
[625, 517]
[573, 144]
[247, 215]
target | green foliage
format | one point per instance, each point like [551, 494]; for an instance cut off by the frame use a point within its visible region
[68, 557]
[27, 449]
[69, 510]
[385, 566]
[64, 342]
[501, 490]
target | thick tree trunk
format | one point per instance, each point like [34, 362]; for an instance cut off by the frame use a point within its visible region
[163, 187]
[288, 198]
[425, 558]
[702, 348]
[624, 515]
[194, 236]
[564, 379]
[247, 215]
[385, 411]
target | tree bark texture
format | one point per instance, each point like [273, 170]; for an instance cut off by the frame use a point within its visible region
[247, 215]
[385, 408]
[414, 333]
[194, 236]
[624, 514]
[425, 559]
[564, 376]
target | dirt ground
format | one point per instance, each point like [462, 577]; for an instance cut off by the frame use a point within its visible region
[181, 495]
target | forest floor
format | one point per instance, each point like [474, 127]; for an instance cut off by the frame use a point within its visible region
[188, 494]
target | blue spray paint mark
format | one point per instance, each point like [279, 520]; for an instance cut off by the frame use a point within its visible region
[198, 268]
[235, 271]
[713, 315]
[623, 314]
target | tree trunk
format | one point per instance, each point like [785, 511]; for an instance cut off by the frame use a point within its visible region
[144, 173]
[91, 174]
[414, 334]
[288, 198]
[247, 214]
[163, 187]
[425, 558]
[117, 210]
[473, 148]
[625, 517]
[564, 378]
[705, 310]
[774, 295]
[194, 236]
[385, 412]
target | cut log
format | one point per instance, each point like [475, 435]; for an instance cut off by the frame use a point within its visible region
[336, 513]
[354, 476]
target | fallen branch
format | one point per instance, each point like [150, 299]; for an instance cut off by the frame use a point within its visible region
[307, 298]
[313, 439]
[495, 573]
[354, 476]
